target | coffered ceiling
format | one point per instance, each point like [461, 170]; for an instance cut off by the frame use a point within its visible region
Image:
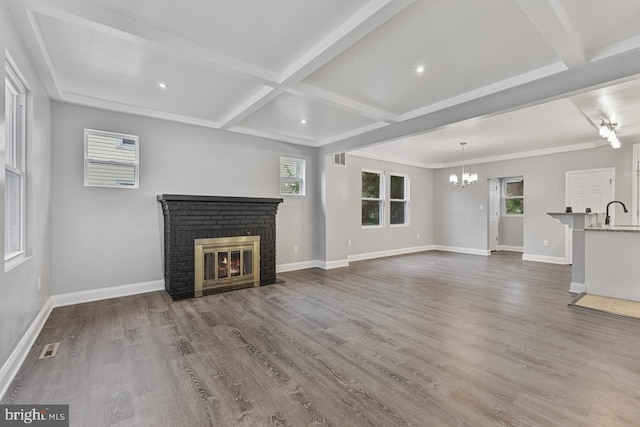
[343, 75]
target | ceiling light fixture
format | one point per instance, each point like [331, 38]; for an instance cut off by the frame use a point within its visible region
[420, 69]
[303, 121]
[608, 131]
[163, 85]
[467, 179]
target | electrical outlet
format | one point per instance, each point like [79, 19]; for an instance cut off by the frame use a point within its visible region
[295, 249]
[418, 236]
[481, 207]
[349, 242]
[545, 243]
[39, 283]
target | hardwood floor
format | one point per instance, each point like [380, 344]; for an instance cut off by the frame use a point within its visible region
[426, 339]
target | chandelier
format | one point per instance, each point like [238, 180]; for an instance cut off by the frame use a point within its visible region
[608, 131]
[467, 179]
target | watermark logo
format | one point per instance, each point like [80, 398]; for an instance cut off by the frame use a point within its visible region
[34, 415]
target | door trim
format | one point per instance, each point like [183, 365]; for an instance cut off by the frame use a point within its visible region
[635, 216]
[567, 232]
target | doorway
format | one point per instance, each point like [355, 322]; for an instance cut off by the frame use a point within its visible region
[590, 188]
[505, 230]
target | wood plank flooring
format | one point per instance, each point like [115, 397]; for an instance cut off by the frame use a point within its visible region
[427, 339]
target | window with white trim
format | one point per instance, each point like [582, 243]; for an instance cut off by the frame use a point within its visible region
[372, 198]
[513, 196]
[399, 200]
[110, 159]
[292, 176]
[14, 168]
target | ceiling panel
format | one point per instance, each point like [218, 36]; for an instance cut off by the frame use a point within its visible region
[599, 24]
[616, 104]
[284, 114]
[553, 124]
[463, 45]
[271, 34]
[94, 64]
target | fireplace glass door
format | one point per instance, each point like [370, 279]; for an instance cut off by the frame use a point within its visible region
[226, 262]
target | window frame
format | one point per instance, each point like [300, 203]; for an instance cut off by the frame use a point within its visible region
[505, 181]
[380, 199]
[406, 200]
[87, 159]
[15, 157]
[301, 178]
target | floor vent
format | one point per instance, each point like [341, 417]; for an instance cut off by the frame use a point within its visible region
[49, 350]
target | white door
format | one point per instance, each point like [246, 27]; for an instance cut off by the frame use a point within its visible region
[494, 213]
[588, 189]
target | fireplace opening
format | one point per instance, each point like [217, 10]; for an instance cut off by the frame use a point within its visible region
[226, 262]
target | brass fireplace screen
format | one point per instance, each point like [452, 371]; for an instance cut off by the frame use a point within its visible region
[226, 262]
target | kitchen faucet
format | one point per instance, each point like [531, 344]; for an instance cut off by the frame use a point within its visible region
[607, 219]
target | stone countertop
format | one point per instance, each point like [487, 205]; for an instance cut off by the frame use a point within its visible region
[618, 228]
[569, 213]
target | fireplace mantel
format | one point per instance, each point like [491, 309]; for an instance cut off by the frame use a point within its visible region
[191, 217]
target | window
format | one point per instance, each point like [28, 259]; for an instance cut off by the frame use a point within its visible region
[292, 172]
[14, 168]
[111, 159]
[372, 197]
[399, 200]
[513, 196]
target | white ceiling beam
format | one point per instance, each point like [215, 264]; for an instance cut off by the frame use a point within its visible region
[614, 49]
[554, 25]
[353, 132]
[560, 85]
[271, 135]
[252, 104]
[154, 36]
[313, 93]
[358, 26]
[487, 90]
[366, 20]
[35, 43]
[120, 107]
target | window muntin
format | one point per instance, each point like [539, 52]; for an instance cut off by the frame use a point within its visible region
[399, 200]
[372, 198]
[292, 176]
[111, 159]
[513, 196]
[15, 165]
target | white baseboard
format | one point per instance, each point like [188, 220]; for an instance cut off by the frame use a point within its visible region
[12, 365]
[510, 248]
[577, 288]
[61, 300]
[470, 251]
[282, 268]
[392, 252]
[328, 265]
[542, 258]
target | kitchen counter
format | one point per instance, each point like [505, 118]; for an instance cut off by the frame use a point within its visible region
[611, 262]
[623, 228]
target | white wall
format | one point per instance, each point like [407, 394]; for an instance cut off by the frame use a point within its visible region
[108, 236]
[368, 240]
[511, 231]
[20, 300]
[460, 222]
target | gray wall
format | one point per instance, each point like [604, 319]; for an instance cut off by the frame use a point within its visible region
[108, 237]
[461, 223]
[20, 300]
[367, 240]
[511, 231]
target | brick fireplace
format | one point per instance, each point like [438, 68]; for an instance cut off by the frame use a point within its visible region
[190, 218]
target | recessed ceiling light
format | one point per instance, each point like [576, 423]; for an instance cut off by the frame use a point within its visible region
[162, 85]
[303, 121]
[420, 69]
